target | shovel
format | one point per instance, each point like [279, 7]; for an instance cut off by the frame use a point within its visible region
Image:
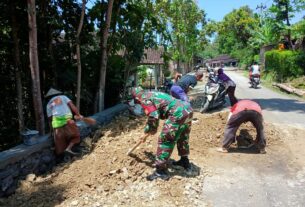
[142, 140]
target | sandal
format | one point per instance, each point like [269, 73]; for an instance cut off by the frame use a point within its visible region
[70, 152]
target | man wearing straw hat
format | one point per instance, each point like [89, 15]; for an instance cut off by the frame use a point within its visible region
[62, 125]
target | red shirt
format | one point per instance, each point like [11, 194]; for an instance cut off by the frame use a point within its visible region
[245, 105]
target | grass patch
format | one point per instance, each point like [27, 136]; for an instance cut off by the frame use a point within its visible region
[298, 82]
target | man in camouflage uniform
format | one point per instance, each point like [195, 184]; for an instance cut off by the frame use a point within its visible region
[176, 129]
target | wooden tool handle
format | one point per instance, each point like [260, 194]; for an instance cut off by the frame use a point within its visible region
[89, 120]
[142, 140]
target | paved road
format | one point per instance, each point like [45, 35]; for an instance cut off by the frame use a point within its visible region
[277, 107]
[274, 179]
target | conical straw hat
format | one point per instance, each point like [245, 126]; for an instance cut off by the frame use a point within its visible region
[53, 92]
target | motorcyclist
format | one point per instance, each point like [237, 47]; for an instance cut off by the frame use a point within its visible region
[254, 71]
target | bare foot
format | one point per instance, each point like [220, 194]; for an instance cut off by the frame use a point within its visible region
[223, 150]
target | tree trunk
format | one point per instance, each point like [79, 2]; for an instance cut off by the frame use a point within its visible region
[288, 24]
[17, 61]
[79, 66]
[53, 61]
[114, 29]
[103, 66]
[36, 92]
[48, 41]
[156, 76]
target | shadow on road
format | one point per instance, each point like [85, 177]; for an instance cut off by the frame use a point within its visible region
[283, 105]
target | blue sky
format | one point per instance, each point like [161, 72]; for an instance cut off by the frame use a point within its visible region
[217, 9]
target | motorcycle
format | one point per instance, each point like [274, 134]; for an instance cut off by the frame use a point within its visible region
[213, 96]
[255, 81]
[168, 83]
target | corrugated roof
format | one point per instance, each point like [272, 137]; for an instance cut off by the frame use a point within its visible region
[222, 59]
[153, 56]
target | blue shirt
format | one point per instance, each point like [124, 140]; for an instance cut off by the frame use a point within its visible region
[186, 81]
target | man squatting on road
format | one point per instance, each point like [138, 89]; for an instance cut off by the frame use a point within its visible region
[181, 88]
[59, 112]
[244, 111]
[176, 129]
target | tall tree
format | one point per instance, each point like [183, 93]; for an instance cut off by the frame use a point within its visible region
[34, 66]
[234, 32]
[79, 65]
[185, 18]
[284, 11]
[17, 62]
[103, 67]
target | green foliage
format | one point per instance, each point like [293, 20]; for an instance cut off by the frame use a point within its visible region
[256, 58]
[269, 76]
[210, 51]
[184, 18]
[234, 34]
[264, 34]
[285, 63]
[299, 30]
[142, 72]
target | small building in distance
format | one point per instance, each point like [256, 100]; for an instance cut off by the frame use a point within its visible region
[225, 59]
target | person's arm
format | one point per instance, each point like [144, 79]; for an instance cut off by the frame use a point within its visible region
[152, 123]
[177, 77]
[75, 110]
[50, 125]
[153, 117]
[193, 84]
[229, 116]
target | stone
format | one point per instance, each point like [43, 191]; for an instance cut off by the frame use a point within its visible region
[99, 189]
[74, 203]
[112, 172]
[30, 177]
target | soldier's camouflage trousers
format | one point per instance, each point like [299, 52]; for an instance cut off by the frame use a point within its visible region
[173, 132]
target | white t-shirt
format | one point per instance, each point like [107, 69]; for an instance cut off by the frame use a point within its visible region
[255, 70]
[58, 106]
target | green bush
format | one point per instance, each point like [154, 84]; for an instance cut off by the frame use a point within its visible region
[256, 58]
[285, 63]
[269, 76]
[142, 72]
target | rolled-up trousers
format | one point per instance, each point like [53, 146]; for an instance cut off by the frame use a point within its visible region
[65, 135]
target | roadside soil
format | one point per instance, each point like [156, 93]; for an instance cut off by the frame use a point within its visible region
[108, 177]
